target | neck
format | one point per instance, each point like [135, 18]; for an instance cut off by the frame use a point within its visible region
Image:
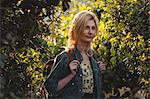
[83, 47]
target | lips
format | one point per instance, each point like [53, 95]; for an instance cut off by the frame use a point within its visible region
[89, 36]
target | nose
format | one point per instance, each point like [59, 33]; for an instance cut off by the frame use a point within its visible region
[90, 31]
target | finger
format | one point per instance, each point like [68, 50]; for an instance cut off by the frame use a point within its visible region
[102, 65]
[75, 70]
[99, 62]
[76, 61]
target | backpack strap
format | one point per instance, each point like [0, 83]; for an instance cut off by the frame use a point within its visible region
[70, 55]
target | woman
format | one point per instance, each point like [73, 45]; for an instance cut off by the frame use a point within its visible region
[76, 73]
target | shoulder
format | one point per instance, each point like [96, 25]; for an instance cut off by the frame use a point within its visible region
[94, 51]
[61, 55]
[95, 54]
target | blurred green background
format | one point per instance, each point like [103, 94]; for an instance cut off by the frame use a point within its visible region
[35, 31]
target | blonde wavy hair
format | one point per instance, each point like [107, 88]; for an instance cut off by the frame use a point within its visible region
[78, 25]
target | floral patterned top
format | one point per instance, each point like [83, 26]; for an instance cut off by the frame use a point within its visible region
[88, 83]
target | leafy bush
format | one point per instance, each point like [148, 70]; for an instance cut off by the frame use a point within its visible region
[34, 31]
[24, 47]
[124, 47]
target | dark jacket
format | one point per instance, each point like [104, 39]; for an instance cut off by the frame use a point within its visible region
[73, 90]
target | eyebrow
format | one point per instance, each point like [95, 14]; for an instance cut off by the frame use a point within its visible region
[92, 26]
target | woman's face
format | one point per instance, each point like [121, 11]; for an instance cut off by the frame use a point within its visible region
[89, 32]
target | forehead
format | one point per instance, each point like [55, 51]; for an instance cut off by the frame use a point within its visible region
[90, 23]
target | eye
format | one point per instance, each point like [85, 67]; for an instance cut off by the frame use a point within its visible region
[93, 28]
[87, 27]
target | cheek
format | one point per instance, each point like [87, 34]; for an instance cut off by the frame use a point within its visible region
[85, 31]
[94, 36]
[94, 33]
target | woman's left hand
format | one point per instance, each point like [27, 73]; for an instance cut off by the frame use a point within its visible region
[102, 66]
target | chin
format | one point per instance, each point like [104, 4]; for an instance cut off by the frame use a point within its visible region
[88, 41]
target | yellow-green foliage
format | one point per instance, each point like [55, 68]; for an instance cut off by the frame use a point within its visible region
[29, 41]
